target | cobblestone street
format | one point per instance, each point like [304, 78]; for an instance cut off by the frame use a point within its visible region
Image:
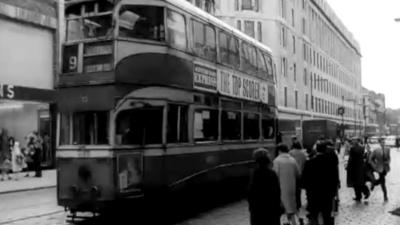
[371, 212]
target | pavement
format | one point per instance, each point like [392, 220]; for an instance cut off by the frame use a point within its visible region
[48, 180]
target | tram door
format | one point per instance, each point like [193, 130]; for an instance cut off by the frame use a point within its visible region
[45, 133]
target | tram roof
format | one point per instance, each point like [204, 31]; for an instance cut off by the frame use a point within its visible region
[197, 11]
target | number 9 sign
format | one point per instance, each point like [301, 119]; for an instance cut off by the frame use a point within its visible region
[73, 63]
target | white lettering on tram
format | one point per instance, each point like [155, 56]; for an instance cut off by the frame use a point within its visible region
[230, 84]
[7, 91]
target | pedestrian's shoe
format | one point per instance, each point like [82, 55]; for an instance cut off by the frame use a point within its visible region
[367, 195]
[385, 198]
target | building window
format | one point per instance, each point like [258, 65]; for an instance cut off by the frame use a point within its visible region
[304, 52]
[303, 4]
[295, 99]
[292, 17]
[306, 101]
[285, 97]
[283, 37]
[305, 76]
[303, 26]
[259, 31]
[239, 25]
[199, 3]
[294, 44]
[284, 66]
[294, 72]
[250, 5]
[283, 8]
[249, 28]
[237, 5]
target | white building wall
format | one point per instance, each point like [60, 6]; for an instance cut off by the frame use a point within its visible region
[270, 14]
[26, 55]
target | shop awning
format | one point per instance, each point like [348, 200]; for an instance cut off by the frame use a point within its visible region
[19, 93]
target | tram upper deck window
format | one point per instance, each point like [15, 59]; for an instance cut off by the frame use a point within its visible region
[176, 29]
[204, 41]
[140, 126]
[90, 128]
[89, 20]
[206, 125]
[231, 125]
[142, 22]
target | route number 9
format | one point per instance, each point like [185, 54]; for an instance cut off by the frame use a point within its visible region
[73, 62]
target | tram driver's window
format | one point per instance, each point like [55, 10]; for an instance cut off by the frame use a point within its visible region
[140, 126]
[90, 128]
[206, 125]
[143, 22]
[230, 125]
[251, 126]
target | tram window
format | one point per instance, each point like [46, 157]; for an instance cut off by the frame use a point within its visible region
[206, 125]
[140, 126]
[262, 65]
[223, 47]
[234, 52]
[267, 126]
[177, 127]
[204, 40]
[65, 128]
[230, 124]
[176, 29]
[89, 27]
[251, 126]
[90, 128]
[211, 51]
[269, 65]
[249, 58]
[143, 22]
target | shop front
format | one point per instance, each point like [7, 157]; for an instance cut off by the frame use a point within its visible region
[24, 110]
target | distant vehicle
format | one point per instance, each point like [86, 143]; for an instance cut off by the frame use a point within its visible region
[313, 129]
[390, 141]
[373, 140]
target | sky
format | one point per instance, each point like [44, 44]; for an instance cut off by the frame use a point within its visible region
[372, 24]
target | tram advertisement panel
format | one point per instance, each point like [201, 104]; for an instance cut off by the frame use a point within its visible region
[130, 171]
[230, 84]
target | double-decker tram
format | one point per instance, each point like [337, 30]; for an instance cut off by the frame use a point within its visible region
[157, 96]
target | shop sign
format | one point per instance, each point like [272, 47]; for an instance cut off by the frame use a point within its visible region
[7, 91]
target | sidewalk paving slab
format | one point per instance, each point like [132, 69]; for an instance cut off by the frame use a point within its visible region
[48, 180]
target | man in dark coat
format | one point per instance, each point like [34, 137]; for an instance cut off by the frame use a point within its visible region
[264, 192]
[321, 181]
[356, 171]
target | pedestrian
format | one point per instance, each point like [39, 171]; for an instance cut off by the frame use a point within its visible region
[300, 157]
[356, 171]
[397, 142]
[380, 162]
[321, 182]
[264, 191]
[35, 143]
[18, 161]
[288, 173]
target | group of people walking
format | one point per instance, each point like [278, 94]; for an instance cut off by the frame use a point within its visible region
[14, 159]
[276, 185]
[368, 163]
